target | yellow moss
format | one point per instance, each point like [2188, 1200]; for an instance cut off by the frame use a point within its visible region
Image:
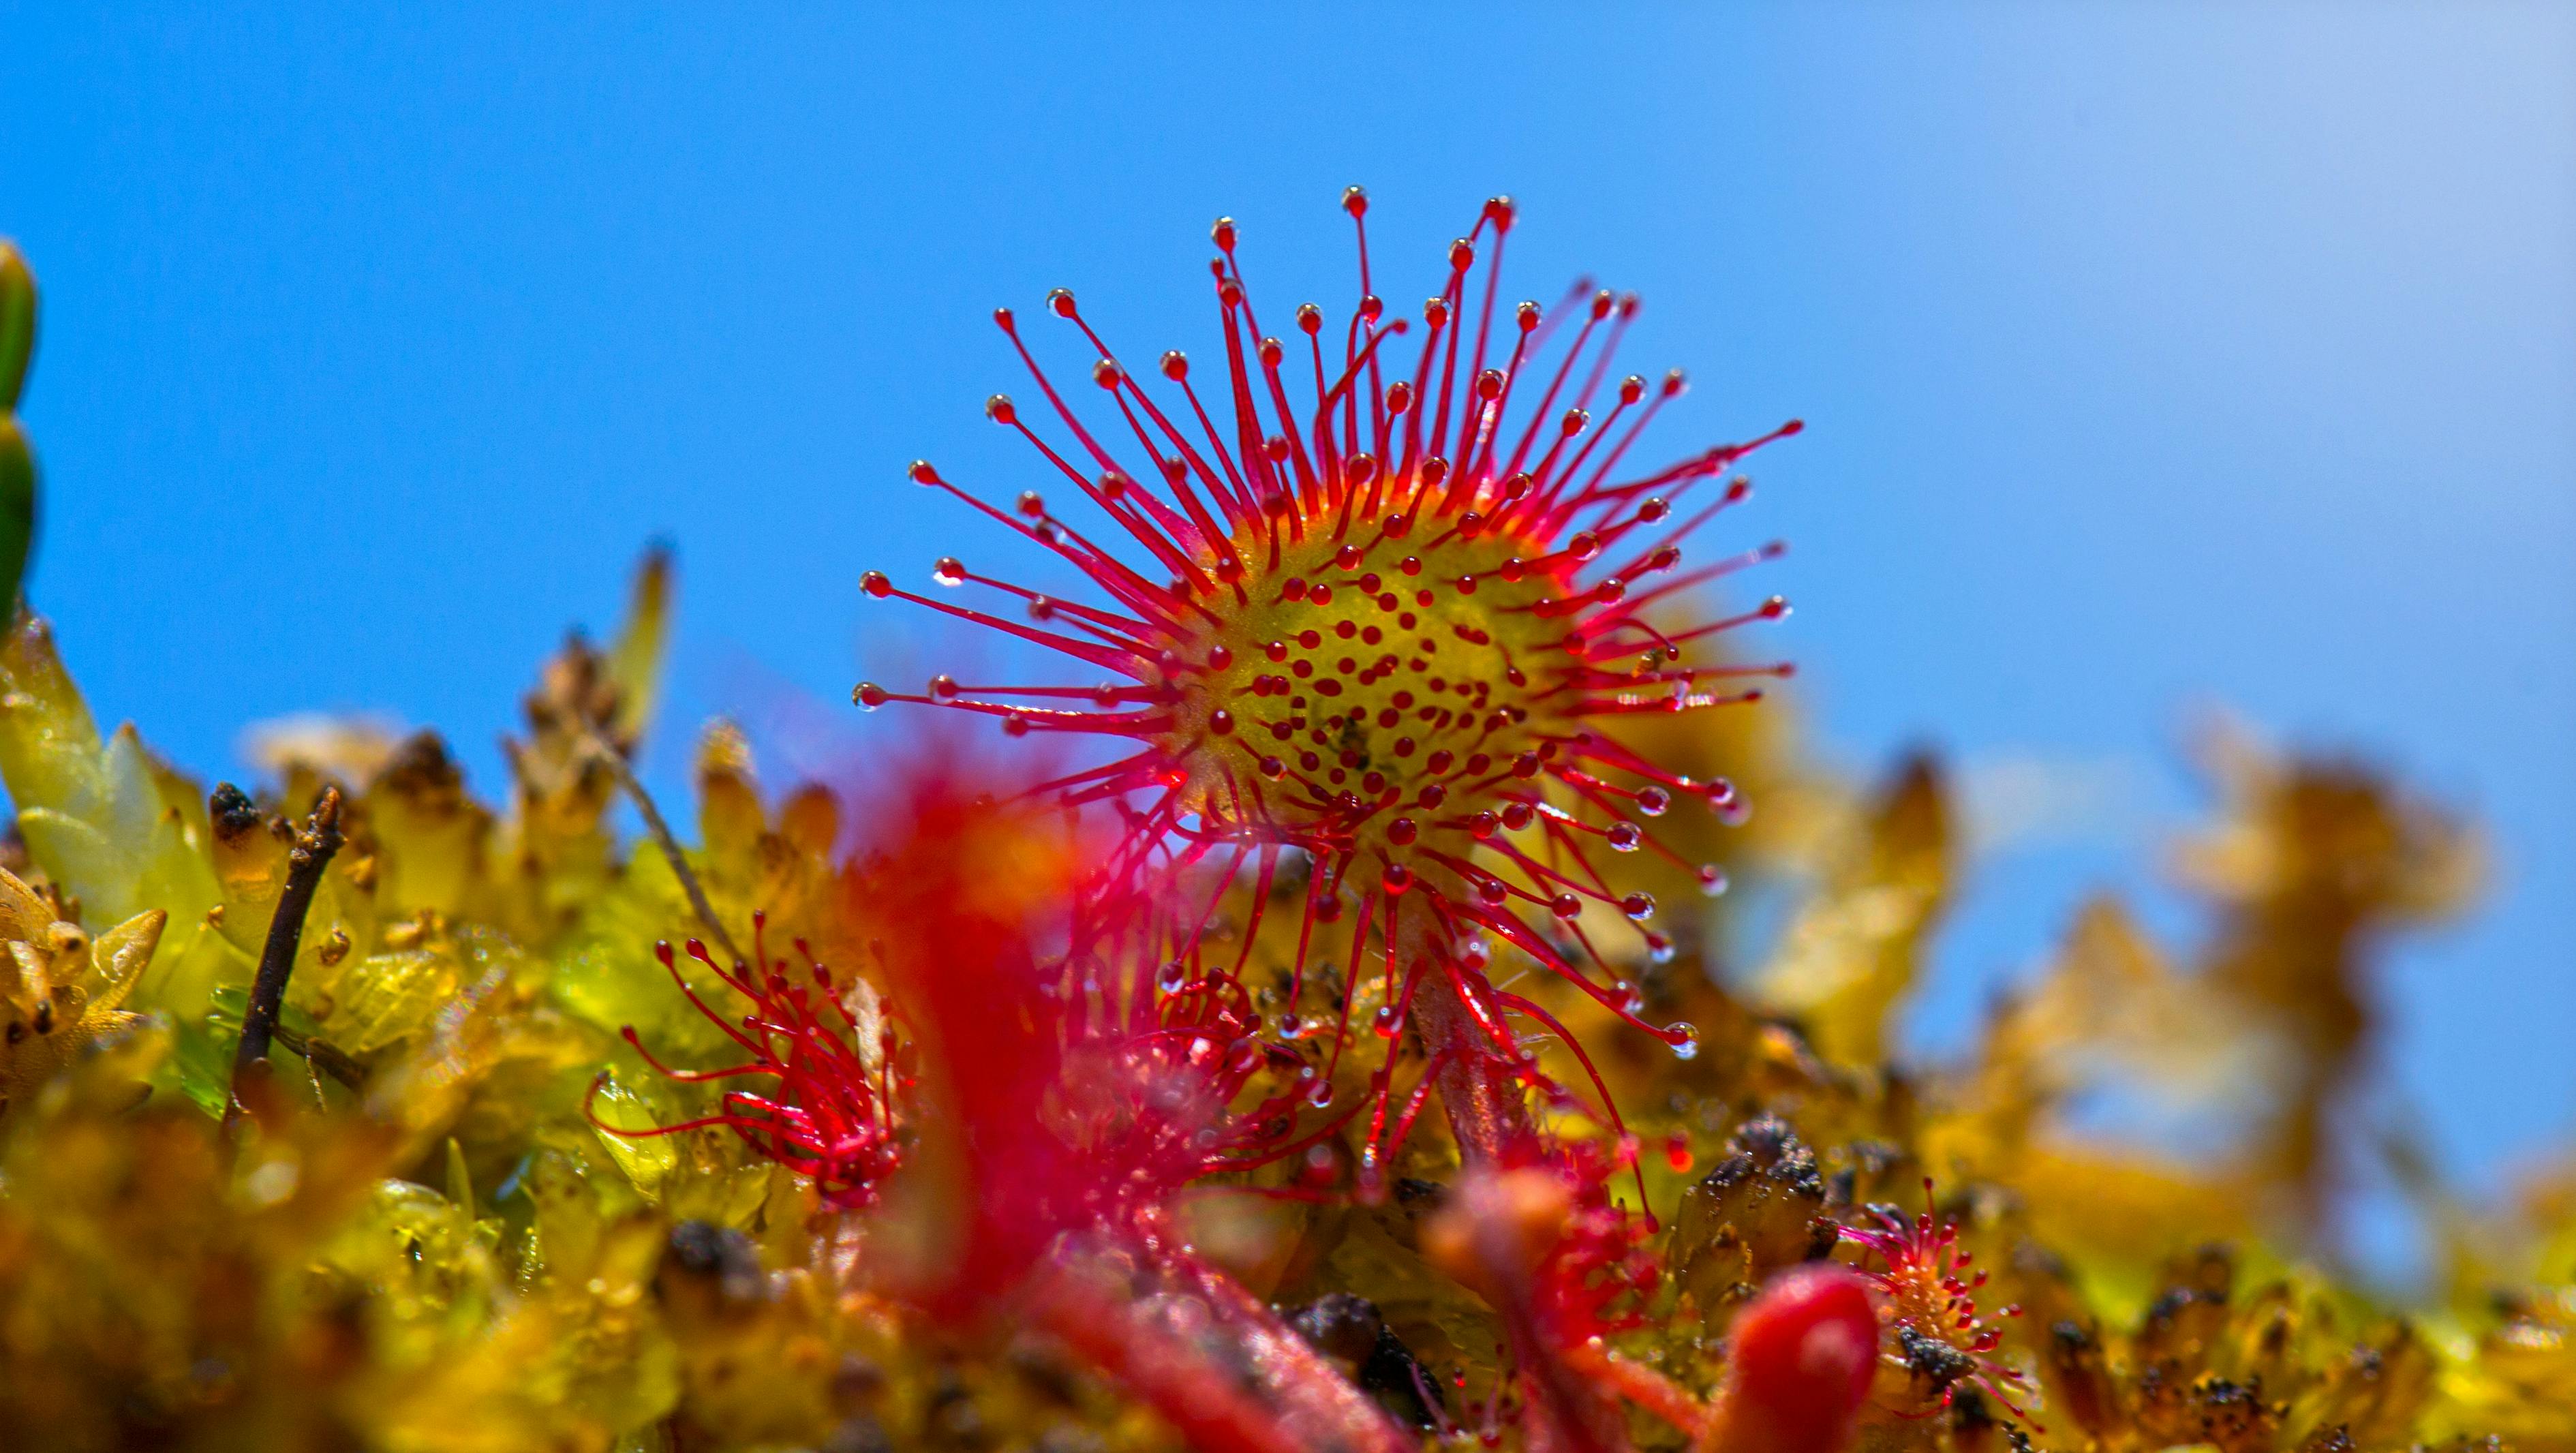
[423, 1242]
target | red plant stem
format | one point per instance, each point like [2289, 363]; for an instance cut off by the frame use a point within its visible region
[1479, 1089]
[1488, 1111]
[1642, 1385]
[1480, 1092]
[1270, 1392]
[1564, 1414]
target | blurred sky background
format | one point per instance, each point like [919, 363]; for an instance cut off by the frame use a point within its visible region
[2154, 356]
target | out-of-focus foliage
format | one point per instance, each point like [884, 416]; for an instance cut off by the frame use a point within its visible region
[486, 1202]
[17, 462]
[426, 1242]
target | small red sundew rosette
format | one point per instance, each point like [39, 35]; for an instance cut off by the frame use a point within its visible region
[1927, 1297]
[828, 1111]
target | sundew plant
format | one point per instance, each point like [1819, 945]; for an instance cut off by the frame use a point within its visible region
[1311, 1014]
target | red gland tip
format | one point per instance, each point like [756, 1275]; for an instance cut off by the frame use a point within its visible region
[1355, 200]
[1799, 1363]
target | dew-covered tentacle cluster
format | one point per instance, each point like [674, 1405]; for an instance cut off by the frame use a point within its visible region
[1385, 612]
[823, 1042]
[1927, 1297]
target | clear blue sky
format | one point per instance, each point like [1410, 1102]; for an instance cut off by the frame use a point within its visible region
[2153, 355]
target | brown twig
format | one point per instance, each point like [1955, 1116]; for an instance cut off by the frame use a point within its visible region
[324, 1056]
[315, 842]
